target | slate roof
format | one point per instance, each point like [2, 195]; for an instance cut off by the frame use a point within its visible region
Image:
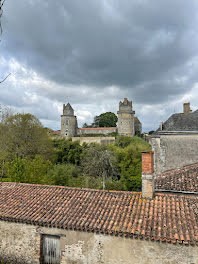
[136, 120]
[180, 122]
[168, 218]
[184, 179]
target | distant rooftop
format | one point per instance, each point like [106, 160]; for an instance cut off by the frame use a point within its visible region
[186, 121]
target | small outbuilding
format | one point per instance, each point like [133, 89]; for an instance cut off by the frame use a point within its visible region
[53, 224]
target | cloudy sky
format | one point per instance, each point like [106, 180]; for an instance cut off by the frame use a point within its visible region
[93, 53]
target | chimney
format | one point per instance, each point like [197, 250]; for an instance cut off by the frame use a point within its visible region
[161, 126]
[147, 175]
[187, 109]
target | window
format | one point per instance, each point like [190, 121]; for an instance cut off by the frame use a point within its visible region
[67, 122]
[51, 249]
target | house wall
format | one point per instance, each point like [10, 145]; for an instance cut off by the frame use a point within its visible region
[20, 243]
[172, 151]
[99, 140]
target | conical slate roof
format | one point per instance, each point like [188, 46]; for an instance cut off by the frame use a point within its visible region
[68, 110]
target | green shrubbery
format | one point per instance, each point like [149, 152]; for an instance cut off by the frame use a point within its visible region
[29, 155]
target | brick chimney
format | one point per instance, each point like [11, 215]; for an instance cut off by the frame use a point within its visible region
[187, 109]
[147, 175]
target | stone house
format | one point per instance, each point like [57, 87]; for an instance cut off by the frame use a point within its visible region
[175, 143]
[54, 224]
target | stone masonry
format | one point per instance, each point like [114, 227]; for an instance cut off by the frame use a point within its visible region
[174, 150]
[126, 119]
[128, 125]
[22, 243]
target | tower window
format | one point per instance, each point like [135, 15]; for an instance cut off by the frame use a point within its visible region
[67, 122]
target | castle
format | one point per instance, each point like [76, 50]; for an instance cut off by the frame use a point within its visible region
[128, 124]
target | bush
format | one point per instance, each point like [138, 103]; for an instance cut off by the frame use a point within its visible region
[64, 175]
[68, 151]
[28, 171]
[128, 157]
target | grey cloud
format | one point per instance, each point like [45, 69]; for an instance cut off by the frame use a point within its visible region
[141, 48]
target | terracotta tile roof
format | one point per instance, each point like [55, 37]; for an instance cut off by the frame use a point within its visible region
[56, 132]
[184, 179]
[167, 218]
[96, 128]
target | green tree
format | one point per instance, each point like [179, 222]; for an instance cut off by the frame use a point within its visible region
[28, 171]
[107, 119]
[68, 151]
[98, 162]
[22, 135]
[64, 175]
[128, 157]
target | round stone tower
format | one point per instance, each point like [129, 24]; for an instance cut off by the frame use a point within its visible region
[126, 118]
[68, 122]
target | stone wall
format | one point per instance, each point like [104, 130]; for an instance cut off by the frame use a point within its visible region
[21, 243]
[98, 140]
[174, 150]
[68, 126]
[104, 131]
[126, 124]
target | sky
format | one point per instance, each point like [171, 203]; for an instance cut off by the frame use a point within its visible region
[94, 53]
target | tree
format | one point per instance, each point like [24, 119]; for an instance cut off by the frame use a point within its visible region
[96, 121]
[1, 30]
[64, 175]
[99, 162]
[1, 13]
[23, 136]
[68, 151]
[28, 171]
[85, 125]
[107, 119]
[128, 157]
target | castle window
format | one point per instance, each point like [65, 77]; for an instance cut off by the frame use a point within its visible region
[67, 122]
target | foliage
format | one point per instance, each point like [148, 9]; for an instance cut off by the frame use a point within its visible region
[28, 171]
[128, 158]
[151, 132]
[85, 125]
[107, 119]
[22, 135]
[28, 155]
[99, 162]
[124, 141]
[64, 175]
[68, 151]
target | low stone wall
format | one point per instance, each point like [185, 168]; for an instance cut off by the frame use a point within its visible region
[104, 131]
[174, 150]
[21, 243]
[98, 140]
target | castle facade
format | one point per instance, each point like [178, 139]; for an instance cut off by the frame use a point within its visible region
[128, 124]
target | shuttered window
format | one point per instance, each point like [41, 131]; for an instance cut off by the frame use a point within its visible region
[51, 249]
